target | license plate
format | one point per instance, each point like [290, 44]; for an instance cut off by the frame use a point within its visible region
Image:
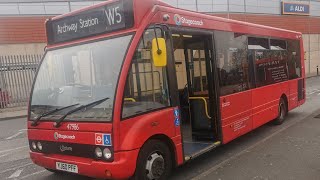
[67, 167]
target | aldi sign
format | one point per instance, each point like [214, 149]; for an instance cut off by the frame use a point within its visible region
[295, 8]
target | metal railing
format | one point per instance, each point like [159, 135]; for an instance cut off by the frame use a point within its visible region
[16, 77]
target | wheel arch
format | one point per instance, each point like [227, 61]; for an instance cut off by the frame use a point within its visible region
[164, 138]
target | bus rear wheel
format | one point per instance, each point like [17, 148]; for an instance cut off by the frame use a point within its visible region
[282, 112]
[154, 161]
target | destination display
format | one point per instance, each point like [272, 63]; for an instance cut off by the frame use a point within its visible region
[108, 18]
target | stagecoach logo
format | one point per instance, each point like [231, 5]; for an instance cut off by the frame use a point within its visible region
[65, 148]
[58, 136]
[179, 20]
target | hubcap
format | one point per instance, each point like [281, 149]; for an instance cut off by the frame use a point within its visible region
[155, 166]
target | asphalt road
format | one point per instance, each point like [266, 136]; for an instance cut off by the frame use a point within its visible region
[289, 151]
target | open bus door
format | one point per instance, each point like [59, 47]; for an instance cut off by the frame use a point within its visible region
[198, 95]
[200, 87]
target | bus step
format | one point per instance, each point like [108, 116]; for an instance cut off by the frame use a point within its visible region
[195, 149]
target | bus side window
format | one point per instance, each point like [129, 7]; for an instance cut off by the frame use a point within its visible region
[270, 58]
[232, 62]
[147, 86]
[294, 59]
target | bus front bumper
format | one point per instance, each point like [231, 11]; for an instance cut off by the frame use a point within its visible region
[122, 167]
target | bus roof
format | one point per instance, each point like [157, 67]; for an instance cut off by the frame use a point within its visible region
[213, 17]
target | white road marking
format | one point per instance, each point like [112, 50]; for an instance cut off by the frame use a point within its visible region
[214, 168]
[4, 155]
[14, 149]
[36, 173]
[16, 174]
[14, 168]
[314, 91]
[15, 135]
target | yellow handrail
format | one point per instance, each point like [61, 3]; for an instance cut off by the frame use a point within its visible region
[130, 99]
[205, 104]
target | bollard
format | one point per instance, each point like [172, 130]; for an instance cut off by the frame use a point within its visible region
[317, 70]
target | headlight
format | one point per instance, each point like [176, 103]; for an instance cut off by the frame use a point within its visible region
[98, 152]
[34, 146]
[107, 153]
[39, 145]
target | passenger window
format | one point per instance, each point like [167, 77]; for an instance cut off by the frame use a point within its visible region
[258, 43]
[147, 86]
[232, 62]
[270, 63]
[294, 59]
[276, 44]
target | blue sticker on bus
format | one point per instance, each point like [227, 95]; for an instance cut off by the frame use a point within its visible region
[177, 122]
[107, 140]
[176, 113]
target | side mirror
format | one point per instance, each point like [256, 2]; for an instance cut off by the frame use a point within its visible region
[159, 52]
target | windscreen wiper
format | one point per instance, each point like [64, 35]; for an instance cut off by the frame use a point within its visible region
[95, 103]
[35, 122]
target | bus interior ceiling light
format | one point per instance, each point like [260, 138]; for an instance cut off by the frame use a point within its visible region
[187, 36]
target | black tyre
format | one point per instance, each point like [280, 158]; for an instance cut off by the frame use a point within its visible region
[154, 161]
[282, 112]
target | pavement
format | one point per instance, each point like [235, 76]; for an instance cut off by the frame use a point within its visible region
[13, 113]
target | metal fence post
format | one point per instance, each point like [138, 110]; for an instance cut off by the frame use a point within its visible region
[16, 76]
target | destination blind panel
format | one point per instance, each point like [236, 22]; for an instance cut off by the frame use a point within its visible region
[108, 18]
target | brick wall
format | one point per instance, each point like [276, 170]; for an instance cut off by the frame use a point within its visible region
[304, 24]
[17, 30]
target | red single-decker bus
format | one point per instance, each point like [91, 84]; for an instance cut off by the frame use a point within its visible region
[131, 88]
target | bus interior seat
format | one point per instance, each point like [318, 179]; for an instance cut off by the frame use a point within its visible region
[201, 120]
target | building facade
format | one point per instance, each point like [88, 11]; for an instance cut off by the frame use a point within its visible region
[22, 29]
[22, 21]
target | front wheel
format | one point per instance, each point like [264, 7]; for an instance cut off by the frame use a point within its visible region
[154, 161]
[282, 112]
